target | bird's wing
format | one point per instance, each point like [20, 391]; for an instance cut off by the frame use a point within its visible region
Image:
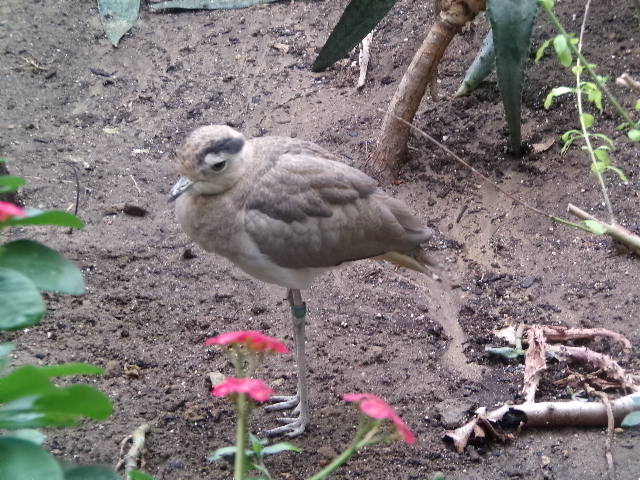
[308, 211]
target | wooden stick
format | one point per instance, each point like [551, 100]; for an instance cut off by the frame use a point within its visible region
[613, 230]
[363, 59]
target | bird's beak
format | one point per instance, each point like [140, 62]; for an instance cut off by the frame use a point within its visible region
[179, 188]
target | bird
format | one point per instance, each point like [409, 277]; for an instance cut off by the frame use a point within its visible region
[286, 211]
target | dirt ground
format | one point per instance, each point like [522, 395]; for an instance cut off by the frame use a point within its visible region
[154, 297]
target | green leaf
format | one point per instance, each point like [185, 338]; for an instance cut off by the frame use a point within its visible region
[631, 420]
[556, 92]
[138, 475]
[562, 50]
[587, 119]
[21, 305]
[118, 16]
[594, 94]
[5, 351]
[279, 448]
[50, 217]
[31, 400]
[22, 382]
[618, 172]
[505, 352]
[358, 19]
[75, 401]
[90, 473]
[224, 453]
[634, 135]
[547, 4]
[594, 227]
[541, 50]
[482, 66]
[65, 369]
[45, 267]
[511, 24]
[606, 139]
[23, 460]
[598, 168]
[602, 155]
[207, 4]
[9, 184]
[30, 434]
[637, 107]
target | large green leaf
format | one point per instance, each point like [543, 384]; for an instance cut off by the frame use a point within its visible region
[481, 67]
[45, 267]
[30, 434]
[118, 16]
[22, 382]
[358, 19]
[5, 350]
[206, 4]
[21, 305]
[90, 473]
[30, 400]
[50, 217]
[511, 24]
[23, 460]
[64, 369]
[9, 183]
[138, 475]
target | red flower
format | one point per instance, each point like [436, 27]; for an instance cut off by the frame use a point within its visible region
[374, 407]
[254, 340]
[256, 389]
[8, 210]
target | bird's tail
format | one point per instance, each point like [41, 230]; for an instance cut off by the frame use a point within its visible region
[417, 260]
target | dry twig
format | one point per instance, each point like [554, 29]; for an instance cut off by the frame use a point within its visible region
[132, 458]
[363, 59]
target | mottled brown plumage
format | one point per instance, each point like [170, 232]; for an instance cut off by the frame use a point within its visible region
[285, 210]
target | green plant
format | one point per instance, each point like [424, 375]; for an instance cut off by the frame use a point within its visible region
[378, 422]
[598, 146]
[29, 398]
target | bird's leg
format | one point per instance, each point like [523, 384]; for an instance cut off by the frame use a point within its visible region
[295, 424]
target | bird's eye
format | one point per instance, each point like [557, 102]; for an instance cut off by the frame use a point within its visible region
[219, 166]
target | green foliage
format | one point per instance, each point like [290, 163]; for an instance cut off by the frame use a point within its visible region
[45, 267]
[138, 475]
[255, 455]
[90, 473]
[511, 24]
[21, 305]
[10, 184]
[28, 397]
[50, 217]
[118, 16]
[593, 226]
[481, 67]
[358, 19]
[23, 460]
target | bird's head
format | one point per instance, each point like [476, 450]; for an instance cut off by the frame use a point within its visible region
[210, 161]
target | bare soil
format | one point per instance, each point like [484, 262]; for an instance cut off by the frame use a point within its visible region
[153, 297]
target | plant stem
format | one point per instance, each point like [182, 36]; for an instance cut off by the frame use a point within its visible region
[337, 462]
[242, 404]
[558, 26]
[585, 133]
[364, 437]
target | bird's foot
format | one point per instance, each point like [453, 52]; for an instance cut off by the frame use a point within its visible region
[284, 402]
[294, 425]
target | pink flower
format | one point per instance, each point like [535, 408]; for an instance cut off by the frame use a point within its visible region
[254, 340]
[256, 389]
[8, 210]
[374, 407]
